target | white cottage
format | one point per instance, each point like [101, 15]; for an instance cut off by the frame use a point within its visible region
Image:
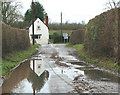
[40, 31]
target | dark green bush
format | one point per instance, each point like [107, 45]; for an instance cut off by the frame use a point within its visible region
[69, 26]
[57, 37]
[77, 37]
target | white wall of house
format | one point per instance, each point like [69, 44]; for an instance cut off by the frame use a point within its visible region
[40, 31]
[38, 66]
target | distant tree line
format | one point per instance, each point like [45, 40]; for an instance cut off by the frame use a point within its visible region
[69, 26]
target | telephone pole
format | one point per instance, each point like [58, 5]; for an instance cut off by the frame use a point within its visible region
[33, 22]
[61, 26]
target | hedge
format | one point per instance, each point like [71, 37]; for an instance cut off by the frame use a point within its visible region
[14, 39]
[77, 37]
[101, 34]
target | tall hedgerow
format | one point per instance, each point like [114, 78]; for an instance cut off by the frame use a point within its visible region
[101, 34]
[14, 39]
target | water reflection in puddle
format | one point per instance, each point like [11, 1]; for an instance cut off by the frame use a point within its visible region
[100, 75]
[29, 77]
[90, 72]
[95, 74]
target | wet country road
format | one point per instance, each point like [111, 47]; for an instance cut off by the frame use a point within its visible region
[55, 69]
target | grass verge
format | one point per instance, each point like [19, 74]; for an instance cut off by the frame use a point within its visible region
[107, 63]
[13, 59]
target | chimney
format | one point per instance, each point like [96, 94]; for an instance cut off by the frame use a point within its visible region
[46, 20]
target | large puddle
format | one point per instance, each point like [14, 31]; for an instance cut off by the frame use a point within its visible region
[29, 77]
[95, 74]
[32, 77]
[100, 75]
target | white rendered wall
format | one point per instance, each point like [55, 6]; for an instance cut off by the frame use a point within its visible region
[43, 31]
[38, 66]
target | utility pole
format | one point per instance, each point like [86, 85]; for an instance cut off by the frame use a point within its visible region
[34, 71]
[61, 26]
[33, 22]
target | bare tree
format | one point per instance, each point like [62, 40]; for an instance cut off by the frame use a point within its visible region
[11, 12]
[110, 4]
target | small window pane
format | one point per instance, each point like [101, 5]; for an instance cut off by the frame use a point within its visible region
[38, 27]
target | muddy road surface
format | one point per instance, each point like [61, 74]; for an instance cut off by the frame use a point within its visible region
[55, 69]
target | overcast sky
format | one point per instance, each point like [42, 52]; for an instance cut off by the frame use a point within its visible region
[73, 10]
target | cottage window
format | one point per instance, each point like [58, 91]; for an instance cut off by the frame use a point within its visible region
[38, 27]
[38, 66]
[36, 36]
[39, 36]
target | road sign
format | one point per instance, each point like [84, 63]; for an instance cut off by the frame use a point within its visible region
[65, 35]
